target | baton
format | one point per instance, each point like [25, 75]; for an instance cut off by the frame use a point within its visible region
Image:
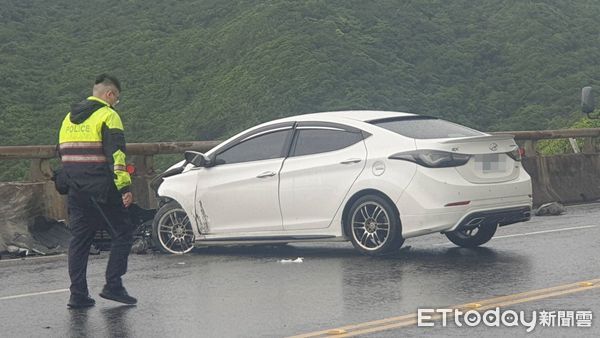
[112, 229]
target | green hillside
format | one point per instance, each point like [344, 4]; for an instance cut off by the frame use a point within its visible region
[197, 70]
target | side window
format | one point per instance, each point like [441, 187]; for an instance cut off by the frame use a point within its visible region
[263, 147]
[314, 141]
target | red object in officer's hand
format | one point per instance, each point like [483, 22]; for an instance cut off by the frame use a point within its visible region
[130, 169]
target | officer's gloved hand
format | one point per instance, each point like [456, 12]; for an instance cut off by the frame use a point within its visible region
[127, 199]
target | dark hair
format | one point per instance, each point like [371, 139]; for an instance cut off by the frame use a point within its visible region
[108, 80]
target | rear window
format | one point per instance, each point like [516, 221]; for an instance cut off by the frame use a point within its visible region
[425, 128]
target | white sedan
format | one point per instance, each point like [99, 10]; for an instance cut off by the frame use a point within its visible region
[372, 177]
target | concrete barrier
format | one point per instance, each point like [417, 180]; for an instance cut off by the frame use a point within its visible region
[568, 178]
[20, 205]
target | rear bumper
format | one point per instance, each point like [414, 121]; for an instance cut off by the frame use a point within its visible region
[426, 205]
[500, 217]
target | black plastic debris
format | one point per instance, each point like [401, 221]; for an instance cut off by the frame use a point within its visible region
[551, 209]
[53, 234]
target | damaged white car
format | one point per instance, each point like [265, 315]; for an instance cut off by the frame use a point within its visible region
[371, 177]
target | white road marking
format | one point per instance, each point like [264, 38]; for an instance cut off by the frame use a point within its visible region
[31, 258]
[34, 294]
[533, 233]
[497, 237]
[546, 231]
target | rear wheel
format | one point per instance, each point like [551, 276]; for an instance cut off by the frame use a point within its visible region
[172, 230]
[374, 226]
[473, 237]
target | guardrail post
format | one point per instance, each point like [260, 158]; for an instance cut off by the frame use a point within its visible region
[144, 172]
[144, 164]
[588, 145]
[40, 170]
[530, 148]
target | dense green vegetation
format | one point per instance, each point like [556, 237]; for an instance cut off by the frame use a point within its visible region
[196, 70]
[562, 146]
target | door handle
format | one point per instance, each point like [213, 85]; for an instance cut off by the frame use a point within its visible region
[266, 174]
[351, 160]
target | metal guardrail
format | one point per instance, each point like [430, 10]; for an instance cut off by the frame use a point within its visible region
[528, 139]
[146, 149]
[142, 153]
[139, 153]
[536, 135]
[160, 148]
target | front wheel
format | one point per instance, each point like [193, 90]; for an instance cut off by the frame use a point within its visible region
[374, 226]
[470, 238]
[172, 230]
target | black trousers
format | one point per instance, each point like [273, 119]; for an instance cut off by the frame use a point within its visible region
[85, 220]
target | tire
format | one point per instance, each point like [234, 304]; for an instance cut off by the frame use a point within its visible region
[373, 225]
[172, 231]
[472, 237]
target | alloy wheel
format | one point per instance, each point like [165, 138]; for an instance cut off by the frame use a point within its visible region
[370, 225]
[175, 232]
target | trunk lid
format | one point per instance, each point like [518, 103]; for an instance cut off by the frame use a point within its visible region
[489, 162]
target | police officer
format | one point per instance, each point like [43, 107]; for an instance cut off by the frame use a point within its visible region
[92, 151]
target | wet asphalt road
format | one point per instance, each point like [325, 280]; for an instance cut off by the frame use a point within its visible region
[247, 292]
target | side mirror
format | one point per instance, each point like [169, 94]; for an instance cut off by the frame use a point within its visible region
[588, 103]
[197, 159]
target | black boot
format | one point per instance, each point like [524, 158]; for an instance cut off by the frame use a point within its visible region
[118, 295]
[80, 301]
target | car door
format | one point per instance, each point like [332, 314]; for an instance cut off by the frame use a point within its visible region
[240, 193]
[324, 162]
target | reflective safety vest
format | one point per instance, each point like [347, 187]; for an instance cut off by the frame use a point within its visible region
[92, 149]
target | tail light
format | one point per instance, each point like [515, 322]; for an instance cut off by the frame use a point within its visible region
[433, 158]
[516, 154]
